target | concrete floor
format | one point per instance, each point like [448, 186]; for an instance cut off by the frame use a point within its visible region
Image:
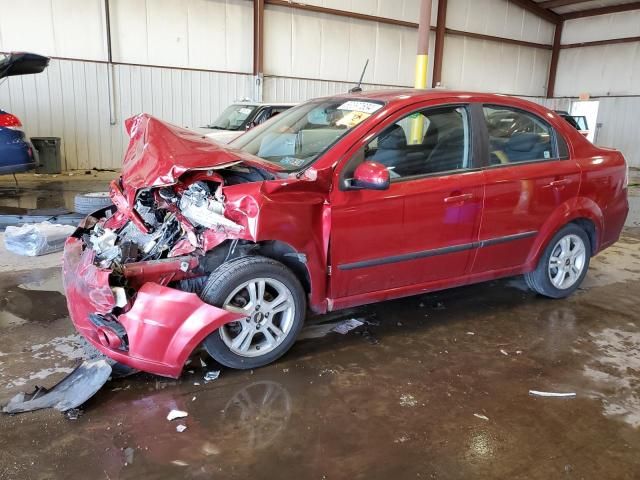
[434, 386]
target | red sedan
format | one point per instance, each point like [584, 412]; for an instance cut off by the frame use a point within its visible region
[340, 201]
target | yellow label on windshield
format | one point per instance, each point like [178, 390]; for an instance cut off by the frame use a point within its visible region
[352, 119]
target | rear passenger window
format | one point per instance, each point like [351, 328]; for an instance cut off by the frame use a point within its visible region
[517, 136]
[425, 142]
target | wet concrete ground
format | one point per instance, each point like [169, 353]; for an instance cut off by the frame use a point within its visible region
[434, 386]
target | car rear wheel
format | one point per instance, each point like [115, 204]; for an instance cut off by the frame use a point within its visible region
[270, 299]
[563, 264]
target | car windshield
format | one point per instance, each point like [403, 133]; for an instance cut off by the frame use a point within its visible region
[297, 137]
[234, 117]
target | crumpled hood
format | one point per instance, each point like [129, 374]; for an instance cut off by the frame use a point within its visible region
[160, 152]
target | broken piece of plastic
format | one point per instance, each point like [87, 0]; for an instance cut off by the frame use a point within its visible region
[537, 393]
[180, 428]
[71, 392]
[173, 414]
[347, 325]
[211, 375]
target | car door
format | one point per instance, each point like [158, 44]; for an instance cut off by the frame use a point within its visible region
[422, 228]
[529, 175]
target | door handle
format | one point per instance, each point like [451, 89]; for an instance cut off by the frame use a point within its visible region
[558, 183]
[458, 198]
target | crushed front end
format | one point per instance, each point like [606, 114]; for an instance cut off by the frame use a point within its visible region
[132, 272]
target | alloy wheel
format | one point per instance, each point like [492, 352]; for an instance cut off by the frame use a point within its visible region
[567, 261]
[268, 312]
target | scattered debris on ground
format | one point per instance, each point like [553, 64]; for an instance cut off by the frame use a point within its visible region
[504, 352]
[407, 400]
[73, 413]
[537, 393]
[481, 417]
[347, 325]
[181, 428]
[71, 392]
[128, 456]
[211, 375]
[173, 414]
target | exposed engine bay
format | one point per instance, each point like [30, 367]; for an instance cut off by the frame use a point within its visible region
[174, 216]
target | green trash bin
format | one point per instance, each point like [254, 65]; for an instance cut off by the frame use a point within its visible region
[48, 148]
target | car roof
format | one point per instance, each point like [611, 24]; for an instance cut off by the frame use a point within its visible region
[389, 95]
[265, 104]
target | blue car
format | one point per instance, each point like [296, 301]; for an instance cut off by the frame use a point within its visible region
[16, 152]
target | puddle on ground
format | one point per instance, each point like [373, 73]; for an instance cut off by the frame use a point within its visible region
[32, 296]
[616, 368]
[51, 282]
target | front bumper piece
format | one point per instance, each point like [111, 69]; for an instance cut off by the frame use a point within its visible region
[157, 334]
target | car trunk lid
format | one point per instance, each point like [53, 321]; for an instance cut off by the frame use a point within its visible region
[22, 63]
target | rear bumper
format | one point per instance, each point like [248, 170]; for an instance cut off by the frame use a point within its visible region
[614, 220]
[16, 157]
[159, 331]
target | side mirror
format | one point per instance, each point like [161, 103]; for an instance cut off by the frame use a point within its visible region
[250, 125]
[371, 176]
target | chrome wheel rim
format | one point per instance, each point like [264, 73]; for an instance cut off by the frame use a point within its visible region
[268, 310]
[567, 261]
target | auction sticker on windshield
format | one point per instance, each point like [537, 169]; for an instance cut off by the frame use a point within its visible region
[359, 106]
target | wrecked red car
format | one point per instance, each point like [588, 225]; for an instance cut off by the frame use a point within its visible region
[337, 202]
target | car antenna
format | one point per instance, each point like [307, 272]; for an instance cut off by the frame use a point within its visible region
[358, 88]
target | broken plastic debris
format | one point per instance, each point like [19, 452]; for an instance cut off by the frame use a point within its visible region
[181, 428]
[504, 352]
[537, 393]
[480, 416]
[470, 333]
[173, 414]
[212, 375]
[128, 455]
[71, 392]
[37, 238]
[72, 414]
[347, 325]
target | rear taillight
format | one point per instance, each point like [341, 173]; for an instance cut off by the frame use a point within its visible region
[10, 121]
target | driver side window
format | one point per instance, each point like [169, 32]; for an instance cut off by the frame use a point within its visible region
[428, 141]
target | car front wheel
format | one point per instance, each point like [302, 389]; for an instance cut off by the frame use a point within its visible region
[270, 299]
[563, 264]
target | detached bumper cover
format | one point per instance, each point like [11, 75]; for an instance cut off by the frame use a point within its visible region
[163, 326]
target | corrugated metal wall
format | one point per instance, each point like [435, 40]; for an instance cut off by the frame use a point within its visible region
[285, 89]
[71, 100]
[608, 73]
[483, 65]
[307, 54]
[327, 47]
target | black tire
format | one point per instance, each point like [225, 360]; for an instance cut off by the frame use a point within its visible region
[539, 280]
[87, 203]
[224, 280]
